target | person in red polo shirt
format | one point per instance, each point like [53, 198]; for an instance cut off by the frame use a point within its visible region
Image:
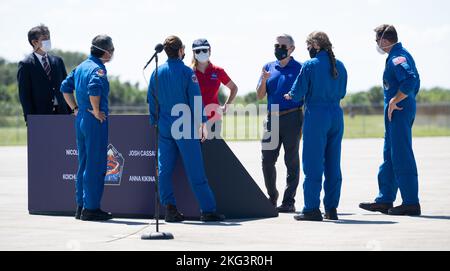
[210, 78]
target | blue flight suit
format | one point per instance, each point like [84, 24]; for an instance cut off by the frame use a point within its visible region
[178, 85]
[323, 129]
[399, 168]
[90, 79]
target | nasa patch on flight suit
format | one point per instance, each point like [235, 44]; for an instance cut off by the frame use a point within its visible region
[399, 60]
[194, 78]
[100, 72]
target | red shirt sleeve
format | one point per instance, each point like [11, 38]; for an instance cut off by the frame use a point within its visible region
[223, 76]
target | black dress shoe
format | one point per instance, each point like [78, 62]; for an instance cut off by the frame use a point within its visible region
[95, 215]
[331, 214]
[315, 215]
[212, 217]
[408, 210]
[376, 207]
[78, 212]
[286, 208]
[172, 214]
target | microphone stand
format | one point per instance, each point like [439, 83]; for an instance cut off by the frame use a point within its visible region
[156, 235]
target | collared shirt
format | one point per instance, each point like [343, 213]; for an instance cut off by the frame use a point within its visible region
[316, 85]
[280, 83]
[400, 74]
[209, 82]
[89, 79]
[40, 58]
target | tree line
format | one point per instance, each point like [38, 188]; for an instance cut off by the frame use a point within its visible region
[129, 94]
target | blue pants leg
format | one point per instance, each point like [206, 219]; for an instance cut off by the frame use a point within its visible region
[387, 184]
[96, 144]
[81, 144]
[167, 154]
[315, 129]
[403, 161]
[333, 176]
[191, 154]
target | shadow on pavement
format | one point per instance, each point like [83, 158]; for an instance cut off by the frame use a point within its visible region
[223, 224]
[124, 222]
[361, 222]
[441, 217]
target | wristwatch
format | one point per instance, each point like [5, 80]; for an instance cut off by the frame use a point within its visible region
[75, 108]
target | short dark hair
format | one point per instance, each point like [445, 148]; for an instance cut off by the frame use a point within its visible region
[36, 32]
[104, 42]
[387, 31]
[172, 45]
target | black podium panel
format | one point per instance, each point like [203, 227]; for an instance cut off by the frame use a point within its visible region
[237, 194]
[129, 184]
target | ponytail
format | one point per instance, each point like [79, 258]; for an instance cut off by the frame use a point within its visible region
[321, 39]
[334, 71]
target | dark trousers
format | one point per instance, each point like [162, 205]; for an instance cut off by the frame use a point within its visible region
[290, 132]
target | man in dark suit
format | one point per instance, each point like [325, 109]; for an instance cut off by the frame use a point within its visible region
[39, 77]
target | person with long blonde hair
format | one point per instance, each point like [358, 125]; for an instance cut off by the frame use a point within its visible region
[210, 78]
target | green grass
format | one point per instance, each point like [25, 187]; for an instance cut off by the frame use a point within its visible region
[364, 126]
[12, 136]
[250, 128]
[243, 128]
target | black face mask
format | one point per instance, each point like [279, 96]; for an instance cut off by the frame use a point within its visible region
[312, 52]
[281, 53]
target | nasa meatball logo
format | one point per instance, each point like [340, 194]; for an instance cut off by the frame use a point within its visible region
[114, 168]
[194, 78]
[100, 72]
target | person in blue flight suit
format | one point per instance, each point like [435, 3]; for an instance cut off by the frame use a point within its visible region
[178, 86]
[322, 82]
[90, 81]
[399, 170]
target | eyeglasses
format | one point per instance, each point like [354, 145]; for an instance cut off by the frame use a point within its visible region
[198, 51]
[283, 46]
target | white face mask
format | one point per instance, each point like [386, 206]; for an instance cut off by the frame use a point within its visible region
[104, 59]
[202, 57]
[379, 50]
[46, 45]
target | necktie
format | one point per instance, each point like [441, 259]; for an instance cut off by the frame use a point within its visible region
[46, 66]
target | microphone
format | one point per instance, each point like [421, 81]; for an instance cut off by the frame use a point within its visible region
[158, 49]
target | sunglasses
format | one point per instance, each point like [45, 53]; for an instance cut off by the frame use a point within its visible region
[283, 46]
[198, 51]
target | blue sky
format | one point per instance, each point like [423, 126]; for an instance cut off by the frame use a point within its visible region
[241, 32]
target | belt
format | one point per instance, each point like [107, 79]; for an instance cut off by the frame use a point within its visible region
[282, 113]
